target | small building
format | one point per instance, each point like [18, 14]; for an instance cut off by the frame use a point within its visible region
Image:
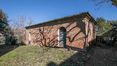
[76, 31]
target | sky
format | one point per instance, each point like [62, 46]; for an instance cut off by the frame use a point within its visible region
[44, 10]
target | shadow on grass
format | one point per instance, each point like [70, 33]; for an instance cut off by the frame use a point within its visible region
[96, 56]
[77, 59]
[99, 54]
[7, 48]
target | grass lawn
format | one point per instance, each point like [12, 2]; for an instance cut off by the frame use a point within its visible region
[44, 56]
[34, 56]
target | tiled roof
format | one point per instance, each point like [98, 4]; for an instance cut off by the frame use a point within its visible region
[81, 14]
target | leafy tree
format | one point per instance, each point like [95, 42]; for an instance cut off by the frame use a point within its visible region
[112, 21]
[103, 25]
[114, 2]
[5, 29]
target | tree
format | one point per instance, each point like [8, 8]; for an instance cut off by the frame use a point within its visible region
[113, 2]
[112, 21]
[18, 28]
[103, 25]
[5, 28]
[29, 23]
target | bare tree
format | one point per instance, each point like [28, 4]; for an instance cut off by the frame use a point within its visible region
[29, 23]
[101, 2]
[18, 28]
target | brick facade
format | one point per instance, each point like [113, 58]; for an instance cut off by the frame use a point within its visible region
[80, 30]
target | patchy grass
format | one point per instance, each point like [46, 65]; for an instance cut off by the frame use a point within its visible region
[34, 56]
[102, 56]
[44, 56]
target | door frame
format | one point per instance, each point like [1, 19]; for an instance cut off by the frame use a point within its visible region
[63, 29]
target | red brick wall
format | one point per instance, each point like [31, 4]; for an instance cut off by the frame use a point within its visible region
[78, 33]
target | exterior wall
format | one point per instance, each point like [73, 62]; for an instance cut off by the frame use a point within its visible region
[80, 31]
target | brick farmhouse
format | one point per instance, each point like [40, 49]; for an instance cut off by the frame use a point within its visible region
[72, 31]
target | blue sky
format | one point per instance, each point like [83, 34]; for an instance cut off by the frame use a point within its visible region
[44, 10]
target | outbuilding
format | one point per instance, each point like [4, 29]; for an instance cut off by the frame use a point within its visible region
[76, 31]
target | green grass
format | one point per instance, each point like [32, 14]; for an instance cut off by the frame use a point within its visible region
[44, 56]
[34, 56]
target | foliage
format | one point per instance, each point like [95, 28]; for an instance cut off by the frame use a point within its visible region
[114, 2]
[5, 29]
[103, 25]
[112, 21]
